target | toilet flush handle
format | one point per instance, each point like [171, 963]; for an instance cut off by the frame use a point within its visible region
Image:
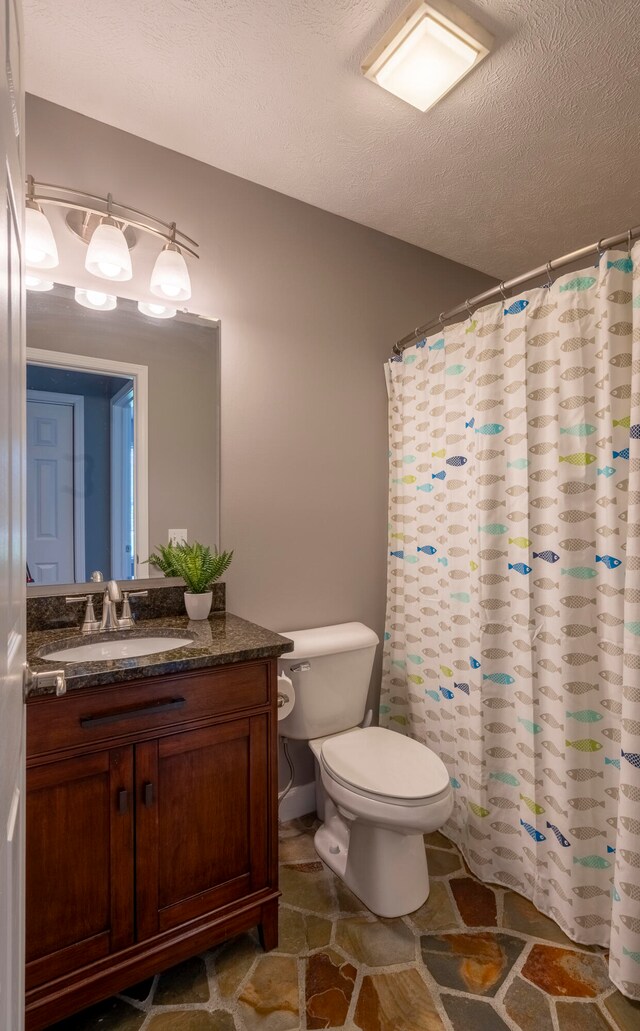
[301, 667]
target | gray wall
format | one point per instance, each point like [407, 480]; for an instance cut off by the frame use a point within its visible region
[310, 304]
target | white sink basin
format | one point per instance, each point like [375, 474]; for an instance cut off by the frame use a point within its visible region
[101, 651]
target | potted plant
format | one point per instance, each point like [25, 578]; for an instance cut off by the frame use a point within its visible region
[198, 566]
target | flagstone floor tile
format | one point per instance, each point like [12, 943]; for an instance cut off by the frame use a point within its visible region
[446, 967]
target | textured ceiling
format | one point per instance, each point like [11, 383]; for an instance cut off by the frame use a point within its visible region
[535, 153]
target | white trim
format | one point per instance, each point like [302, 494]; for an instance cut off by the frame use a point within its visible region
[140, 376]
[298, 802]
[117, 481]
[79, 538]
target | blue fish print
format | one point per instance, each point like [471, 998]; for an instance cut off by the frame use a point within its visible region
[609, 561]
[610, 849]
[634, 432]
[438, 476]
[454, 783]
[517, 306]
[614, 894]
[548, 556]
[631, 757]
[443, 561]
[439, 344]
[520, 567]
[536, 835]
[559, 835]
[421, 343]
[612, 762]
[474, 663]
[499, 678]
[447, 693]
[397, 554]
[469, 425]
[462, 687]
[607, 471]
[490, 428]
[459, 460]
[427, 549]
[622, 264]
[621, 454]
[433, 694]
[427, 487]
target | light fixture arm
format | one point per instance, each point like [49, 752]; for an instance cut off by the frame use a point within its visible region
[47, 193]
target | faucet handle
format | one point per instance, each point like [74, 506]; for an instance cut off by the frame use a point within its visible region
[126, 616]
[89, 622]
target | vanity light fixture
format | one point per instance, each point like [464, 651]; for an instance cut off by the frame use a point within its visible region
[429, 49]
[109, 228]
[95, 299]
[156, 311]
[34, 282]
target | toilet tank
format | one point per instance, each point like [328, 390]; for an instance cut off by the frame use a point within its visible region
[330, 668]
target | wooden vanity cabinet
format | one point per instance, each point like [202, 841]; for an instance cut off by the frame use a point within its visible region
[151, 829]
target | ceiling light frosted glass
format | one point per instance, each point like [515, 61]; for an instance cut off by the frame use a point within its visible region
[108, 253]
[95, 299]
[156, 311]
[425, 54]
[40, 245]
[33, 282]
[170, 276]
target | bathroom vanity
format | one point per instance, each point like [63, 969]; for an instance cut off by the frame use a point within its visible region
[151, 810]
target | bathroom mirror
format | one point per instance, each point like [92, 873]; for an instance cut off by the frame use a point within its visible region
[122, 436]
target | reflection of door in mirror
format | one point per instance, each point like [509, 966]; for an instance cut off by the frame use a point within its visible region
[80, 475]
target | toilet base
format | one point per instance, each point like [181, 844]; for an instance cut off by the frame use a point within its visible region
[387, 870]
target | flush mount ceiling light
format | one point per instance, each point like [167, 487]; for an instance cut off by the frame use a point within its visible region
[156, 311]
[426, 52]
[34, 282]
[95, 299]
[109, 228]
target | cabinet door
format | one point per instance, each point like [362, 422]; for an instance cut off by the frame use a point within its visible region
[202, 823]
[80, 863]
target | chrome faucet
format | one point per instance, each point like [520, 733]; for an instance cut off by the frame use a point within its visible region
[109, 621]
[111, 595]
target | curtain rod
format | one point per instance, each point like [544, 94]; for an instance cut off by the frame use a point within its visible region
[511, 284]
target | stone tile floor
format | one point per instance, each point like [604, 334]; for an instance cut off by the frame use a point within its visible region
[474, 958]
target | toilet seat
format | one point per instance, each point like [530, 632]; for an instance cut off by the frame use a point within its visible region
[383, 765]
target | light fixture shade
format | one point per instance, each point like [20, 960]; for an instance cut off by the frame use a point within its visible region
[170, 276]
[95, 299]
[426, 52]
[156, 311]
[108, 253]
[35, 282]
[40, 245]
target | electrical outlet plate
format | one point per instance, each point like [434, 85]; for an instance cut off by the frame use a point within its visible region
[177, 536]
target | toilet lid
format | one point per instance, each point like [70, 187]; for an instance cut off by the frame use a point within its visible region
[382, 763]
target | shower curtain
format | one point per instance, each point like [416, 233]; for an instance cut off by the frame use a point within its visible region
[512, 645]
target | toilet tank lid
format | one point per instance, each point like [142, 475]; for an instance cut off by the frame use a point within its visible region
[329, 640]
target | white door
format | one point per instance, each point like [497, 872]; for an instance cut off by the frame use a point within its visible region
[50, 491]
[12, 552]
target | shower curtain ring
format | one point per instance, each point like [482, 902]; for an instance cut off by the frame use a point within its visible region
[441, 321]
[600, 252]
[501, 289]
[549, 282]
[469, 308]
[629, 235]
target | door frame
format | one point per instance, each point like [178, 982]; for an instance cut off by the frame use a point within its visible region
[117, 477]
[140, 376]
[77, 403]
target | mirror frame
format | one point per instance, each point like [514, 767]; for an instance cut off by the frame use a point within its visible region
[139, 375]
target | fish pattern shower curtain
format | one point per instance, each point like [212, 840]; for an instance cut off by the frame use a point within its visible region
[512, 644]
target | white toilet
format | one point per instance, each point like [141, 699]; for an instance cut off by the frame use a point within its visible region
[377, 791]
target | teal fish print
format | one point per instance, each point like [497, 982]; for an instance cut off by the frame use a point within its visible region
[580, 572]
[499, 678]
[494, 528]
[559, 835]
[490, 428]
[432, 694]
[533, 728]
[633, 626]
[635, 956]
[409, 359]
[439, 344]
[585, 716]
[454, 783]
[505, 778]
[593, 862]
[607, 471]
[454, 370]
[461, 596]
[622, 264]
[612, 762]
[536, 835]
[519, 463]
[582, 429]
[426, 487]
[580, 283]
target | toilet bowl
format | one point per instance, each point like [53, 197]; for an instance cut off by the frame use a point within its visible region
[382, 792]
[377, 791]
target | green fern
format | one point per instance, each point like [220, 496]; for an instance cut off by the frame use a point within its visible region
[198, 566]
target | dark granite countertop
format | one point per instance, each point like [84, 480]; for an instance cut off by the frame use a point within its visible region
[221, 639]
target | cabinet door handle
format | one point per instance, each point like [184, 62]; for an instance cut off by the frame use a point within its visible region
[162, 705]
[123, 801]
[148, 793]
